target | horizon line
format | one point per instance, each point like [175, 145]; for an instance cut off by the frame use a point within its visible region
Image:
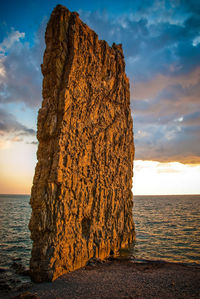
[176, 194]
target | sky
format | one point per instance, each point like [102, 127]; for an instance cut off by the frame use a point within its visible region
[161, 43]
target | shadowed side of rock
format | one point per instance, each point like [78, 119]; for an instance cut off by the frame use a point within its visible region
[81, 196]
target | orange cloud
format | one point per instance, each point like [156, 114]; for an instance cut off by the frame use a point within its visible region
[149, 89]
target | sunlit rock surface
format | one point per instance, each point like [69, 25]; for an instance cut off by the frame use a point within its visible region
[81, 196]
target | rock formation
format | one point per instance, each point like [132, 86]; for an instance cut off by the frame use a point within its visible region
[81, 196]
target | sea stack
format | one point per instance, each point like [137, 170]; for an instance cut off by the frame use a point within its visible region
[81, 195]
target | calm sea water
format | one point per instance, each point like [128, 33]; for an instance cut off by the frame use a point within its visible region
[15, 243]
[167, 228]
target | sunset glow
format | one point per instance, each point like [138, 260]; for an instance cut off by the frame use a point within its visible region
[17, 168]
[150, 177]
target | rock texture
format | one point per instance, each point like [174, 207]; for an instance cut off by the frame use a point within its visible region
[81, 196]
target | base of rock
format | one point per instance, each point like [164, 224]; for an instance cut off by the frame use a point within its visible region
[101, 255]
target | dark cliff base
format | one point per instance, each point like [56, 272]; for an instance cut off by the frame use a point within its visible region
[121, 279]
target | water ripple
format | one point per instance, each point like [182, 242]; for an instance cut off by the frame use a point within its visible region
[167, 228]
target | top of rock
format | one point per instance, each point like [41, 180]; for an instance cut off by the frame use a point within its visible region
[61, 8]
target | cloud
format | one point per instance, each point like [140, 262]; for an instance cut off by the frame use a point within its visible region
[192, 119]
[167, 118]
[150, 88]
[33, 142]
[16, 139]
[165, 65]
[9, 125]
[162, 52]
[168, 142]
[20, 75]
[9, 41]
[156, 39]
[192, 6]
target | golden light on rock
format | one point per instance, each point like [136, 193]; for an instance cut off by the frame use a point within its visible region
[81, 196]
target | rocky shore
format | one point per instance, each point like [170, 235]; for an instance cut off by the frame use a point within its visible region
[119, 278]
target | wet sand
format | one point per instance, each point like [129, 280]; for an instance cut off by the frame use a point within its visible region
[120, 279]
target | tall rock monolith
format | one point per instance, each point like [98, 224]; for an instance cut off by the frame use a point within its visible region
[81, 195]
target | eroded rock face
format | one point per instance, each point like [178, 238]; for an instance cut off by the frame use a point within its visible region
[81, 196]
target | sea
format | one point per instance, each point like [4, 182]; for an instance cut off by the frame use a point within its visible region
[167, 229]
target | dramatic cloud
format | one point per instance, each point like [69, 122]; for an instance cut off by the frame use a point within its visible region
[9, 125]
[20, 75]
[161, 42]
[154, 39]
[167, 118]
[9, 41]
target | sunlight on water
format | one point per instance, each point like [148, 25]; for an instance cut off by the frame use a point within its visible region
[167, 228]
